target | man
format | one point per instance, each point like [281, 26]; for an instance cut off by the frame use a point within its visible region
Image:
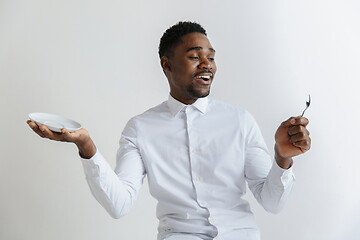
[197, 152]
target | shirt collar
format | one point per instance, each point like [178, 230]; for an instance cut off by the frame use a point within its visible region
[175, 106]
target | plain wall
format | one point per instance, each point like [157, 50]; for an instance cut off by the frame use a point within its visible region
[96, 62]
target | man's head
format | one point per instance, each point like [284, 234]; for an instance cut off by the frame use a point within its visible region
[187, 59]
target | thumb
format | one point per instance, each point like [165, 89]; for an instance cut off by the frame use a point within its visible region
[67, 135]
[291, 121]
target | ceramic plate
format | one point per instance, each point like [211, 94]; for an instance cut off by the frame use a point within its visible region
[54, 122]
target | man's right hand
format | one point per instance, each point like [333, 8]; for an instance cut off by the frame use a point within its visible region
[80, 137]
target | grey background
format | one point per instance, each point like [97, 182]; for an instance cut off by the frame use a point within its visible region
[96, 62]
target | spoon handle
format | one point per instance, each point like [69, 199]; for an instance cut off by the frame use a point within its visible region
[304, 111]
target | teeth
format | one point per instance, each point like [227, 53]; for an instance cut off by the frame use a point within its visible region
[207, 77]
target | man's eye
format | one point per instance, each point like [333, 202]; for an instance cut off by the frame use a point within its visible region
[211, 59]
[194, 57]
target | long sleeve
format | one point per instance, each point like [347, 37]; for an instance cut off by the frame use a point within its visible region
[270, 184]
[116, 190]
[198, 159]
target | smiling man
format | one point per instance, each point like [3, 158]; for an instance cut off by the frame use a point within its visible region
[189, 66]
[197, 152]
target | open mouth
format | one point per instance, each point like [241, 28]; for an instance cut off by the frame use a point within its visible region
[204, 78]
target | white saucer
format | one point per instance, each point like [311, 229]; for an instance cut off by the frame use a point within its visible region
[54, 122]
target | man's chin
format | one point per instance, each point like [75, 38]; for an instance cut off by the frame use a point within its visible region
[199, 94]
[204, 95]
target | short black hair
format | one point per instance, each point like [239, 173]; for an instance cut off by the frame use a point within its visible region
[172, 36]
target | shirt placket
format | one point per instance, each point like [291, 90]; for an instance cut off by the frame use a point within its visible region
[194, 161]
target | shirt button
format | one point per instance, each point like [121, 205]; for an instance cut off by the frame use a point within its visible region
[193, 151]
[197, 179]
[190, 124]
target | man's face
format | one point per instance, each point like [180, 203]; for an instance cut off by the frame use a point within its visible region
[191, 68]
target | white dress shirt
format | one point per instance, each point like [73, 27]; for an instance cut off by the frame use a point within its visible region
[198, 159]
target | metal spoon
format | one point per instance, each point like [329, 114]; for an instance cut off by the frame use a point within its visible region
[307, 104]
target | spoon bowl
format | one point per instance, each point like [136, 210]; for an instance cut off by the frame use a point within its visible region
[308, 101]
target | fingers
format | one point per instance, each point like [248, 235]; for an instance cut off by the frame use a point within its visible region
[44, 132]
[305, 144]
[299, 120]
[77, 137]
[298, 129]
[50, 134]
[35, 128]
[299, 135]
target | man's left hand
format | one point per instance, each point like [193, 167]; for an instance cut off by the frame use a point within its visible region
[292, 139]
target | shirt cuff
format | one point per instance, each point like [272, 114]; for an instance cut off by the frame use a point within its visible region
[281, 177]
[92, 165]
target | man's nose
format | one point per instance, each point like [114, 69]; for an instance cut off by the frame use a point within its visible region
[205, 64]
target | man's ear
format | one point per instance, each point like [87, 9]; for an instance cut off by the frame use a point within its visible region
[165, 64]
